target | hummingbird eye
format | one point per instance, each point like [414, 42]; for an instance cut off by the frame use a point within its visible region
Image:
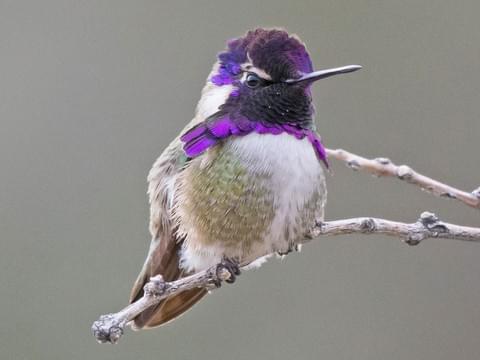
[253, 80]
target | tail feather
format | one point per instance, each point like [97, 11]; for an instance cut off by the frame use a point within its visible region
[164, 259]
[168, 309]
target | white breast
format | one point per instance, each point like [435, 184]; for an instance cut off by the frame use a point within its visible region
[296, 173]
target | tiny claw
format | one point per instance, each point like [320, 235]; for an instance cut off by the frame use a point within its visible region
[233, 269]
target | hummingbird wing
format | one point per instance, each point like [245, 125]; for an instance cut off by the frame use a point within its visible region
[163, 255]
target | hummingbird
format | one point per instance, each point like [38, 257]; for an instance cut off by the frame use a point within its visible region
[245, 179]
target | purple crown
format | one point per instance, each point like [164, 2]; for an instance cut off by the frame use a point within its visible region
[274, 51]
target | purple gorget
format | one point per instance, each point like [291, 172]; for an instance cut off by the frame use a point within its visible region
[210, 132]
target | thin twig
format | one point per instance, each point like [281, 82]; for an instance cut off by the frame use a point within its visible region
[385, 167]
[427, 226]
[109, 328]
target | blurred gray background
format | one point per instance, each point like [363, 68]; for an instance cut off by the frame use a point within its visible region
[91, 92]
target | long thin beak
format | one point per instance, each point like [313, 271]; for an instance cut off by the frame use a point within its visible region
[322, 74]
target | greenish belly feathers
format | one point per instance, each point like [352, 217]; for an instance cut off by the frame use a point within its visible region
[227, 203]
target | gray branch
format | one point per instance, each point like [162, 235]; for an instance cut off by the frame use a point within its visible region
[109, 328]
[384, 167]
[427, 226]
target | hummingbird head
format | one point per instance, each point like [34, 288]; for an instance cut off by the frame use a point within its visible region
[266, 76]
[261, 82]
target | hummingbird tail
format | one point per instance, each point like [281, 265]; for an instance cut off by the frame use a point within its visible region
[168, 309]
[163, 260]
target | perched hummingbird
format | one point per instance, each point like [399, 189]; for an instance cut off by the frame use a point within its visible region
[244, 179]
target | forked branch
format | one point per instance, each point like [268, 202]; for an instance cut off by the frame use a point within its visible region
[109, 328]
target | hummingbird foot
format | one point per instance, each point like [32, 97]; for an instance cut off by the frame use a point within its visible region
[229, 265]
[292, 248]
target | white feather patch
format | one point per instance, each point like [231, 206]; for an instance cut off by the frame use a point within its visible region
[296, 174]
